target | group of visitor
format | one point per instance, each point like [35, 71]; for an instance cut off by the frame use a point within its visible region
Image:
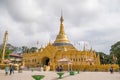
[45, 68]
[59, 68]
[9, 69]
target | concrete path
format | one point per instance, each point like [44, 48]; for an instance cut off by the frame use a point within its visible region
[51, 75]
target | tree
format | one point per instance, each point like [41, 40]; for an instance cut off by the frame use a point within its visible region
[33, 49]
[104, 58]
[9, 49]
[25, 49]
[7, 52]
[0, 53]
[115, 51]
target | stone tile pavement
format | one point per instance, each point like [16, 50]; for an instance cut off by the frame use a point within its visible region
[51, 75]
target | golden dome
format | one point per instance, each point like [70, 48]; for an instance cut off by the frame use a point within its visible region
[62, 37]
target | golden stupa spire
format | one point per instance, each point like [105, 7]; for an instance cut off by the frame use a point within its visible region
[61, 25]
[61, 37]
[61, 19]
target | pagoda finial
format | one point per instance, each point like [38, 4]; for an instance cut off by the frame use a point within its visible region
[61, 19]
[61, 24]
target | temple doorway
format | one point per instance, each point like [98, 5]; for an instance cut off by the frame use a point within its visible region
[45, 61]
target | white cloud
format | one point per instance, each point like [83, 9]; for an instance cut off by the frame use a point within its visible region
[95, 22]
[24, 10]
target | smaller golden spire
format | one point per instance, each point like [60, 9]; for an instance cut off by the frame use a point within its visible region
[98, 59]
[84, 48]
[41, 49]
[91, 49]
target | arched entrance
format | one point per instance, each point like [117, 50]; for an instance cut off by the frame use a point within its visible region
[45, 61]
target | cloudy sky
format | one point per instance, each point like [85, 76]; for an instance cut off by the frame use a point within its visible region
[93, 22]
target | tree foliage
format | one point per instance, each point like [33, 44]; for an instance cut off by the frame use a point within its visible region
[104, 58]
[115, 50]
[7, 52]
[25, 49]
[33, 49]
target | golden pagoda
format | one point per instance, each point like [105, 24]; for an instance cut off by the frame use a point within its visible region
[61, 48]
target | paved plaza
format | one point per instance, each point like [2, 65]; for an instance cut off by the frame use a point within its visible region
[51, 75]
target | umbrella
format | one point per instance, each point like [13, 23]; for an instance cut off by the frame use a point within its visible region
[64, 60]
[89, 60]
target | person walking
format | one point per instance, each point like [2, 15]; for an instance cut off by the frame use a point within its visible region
[111, 70]
[11, 69]
[60, 68]
[6, 70]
